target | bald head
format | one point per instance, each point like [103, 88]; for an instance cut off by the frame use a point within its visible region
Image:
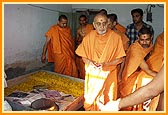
[100, 15]
[100, 23]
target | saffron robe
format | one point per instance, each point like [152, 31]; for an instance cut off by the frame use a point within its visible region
[124, 38]
[88, 28]
[155, 63]
[134, 57]
[156, 59]
[100, 84]
[120, 28]
[125, 41]
[142, 79]
[61, 50]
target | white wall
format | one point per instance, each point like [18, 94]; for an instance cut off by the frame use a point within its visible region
[123, 12]
[24, 30]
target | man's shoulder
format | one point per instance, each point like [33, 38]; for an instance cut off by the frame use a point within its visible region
[130, 25]
[135, 46]
[92, 31]
[54, 26]
[92, 34]
[78, 30]
[118, 24]
[116, 33]
[147, 25]
[89, 24]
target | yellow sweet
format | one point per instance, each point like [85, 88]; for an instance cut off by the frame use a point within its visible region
[54, 81]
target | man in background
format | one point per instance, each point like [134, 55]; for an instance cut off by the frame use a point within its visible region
[114, 22]
[119, 29]
[136, 68]
[60, 46]
[132, 29]
[82, 31]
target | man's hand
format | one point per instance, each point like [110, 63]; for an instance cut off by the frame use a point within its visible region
[98, 65]
[43, 58]
[110, 106]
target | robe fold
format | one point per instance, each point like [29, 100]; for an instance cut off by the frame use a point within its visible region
[88, 28]
[124, 38]
[156, 59]
[120, 28]
[134, 57]
[61, 50]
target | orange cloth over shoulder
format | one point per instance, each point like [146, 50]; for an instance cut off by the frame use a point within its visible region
[134, 56]
[156, 59]
[124, 38]
[61, 50]
[120, 28]
[88, 28]
[92, 43]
